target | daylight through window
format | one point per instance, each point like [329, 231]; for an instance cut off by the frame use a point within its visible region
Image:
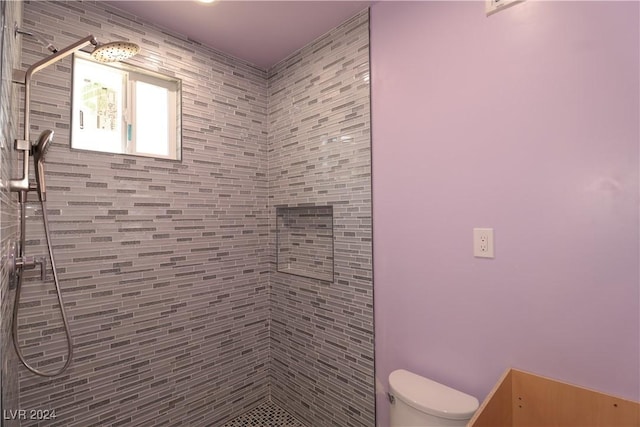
[118, 108]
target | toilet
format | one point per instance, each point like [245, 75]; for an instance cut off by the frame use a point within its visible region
[420, 402]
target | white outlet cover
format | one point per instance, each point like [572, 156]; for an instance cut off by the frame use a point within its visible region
[483, 243]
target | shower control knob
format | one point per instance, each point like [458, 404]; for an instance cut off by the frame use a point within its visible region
[42, 261]
[27, 263]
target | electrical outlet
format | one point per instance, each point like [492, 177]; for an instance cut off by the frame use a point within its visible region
[483, 243]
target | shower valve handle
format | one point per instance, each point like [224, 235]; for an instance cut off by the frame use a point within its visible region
[27, 263]
[42, 261]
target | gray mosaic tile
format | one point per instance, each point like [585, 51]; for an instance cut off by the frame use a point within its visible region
[319, 155]
[304, 241]
[162, 265]
[10, 12]
[168, 268]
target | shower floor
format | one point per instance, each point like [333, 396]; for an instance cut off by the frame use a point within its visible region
[266, 415]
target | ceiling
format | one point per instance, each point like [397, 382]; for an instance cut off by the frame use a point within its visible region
[260, 32]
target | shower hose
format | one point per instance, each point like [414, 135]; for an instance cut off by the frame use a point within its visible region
[14, 329]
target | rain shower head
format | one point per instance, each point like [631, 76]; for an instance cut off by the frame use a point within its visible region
[102, 52]
[39, 152]
[115, 51]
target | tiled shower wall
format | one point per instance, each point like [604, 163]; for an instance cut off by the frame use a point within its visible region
[163, 264]
[319, 154]
[11, 13]
[166, 266]
[304, 241]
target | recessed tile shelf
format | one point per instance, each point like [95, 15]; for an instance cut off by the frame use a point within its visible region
[304, 244]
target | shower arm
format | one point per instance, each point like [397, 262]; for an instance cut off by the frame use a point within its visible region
[36, 35]
[22, 184]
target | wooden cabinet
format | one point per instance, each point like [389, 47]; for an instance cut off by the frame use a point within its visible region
[521, 399]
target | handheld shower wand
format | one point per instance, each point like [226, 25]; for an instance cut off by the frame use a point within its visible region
[39, 151]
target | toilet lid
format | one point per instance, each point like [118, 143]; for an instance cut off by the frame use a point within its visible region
[431, 397]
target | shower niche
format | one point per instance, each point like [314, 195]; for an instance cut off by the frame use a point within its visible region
[304, 241]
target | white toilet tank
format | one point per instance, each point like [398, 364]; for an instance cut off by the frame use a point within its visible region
[421, 402]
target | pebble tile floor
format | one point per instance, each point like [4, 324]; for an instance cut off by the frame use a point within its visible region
[266, 415]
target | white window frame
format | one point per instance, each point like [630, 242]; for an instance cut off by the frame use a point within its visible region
[127, 120]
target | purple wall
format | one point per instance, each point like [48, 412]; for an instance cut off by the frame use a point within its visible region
[527, 122]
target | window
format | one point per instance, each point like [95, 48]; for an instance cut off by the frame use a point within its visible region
[119, 108]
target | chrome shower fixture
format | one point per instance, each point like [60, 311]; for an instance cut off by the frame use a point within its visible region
[24, 78]
[115, 51]
[18, 261]
[103, 52]
[39, 151]
[36, 35]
